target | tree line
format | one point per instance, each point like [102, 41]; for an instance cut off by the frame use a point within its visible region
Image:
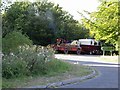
[42, 22]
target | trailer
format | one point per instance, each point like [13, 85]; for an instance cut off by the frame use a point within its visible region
[65, 46]
[90, 46]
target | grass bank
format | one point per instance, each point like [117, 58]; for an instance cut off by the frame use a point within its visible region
[58, 70]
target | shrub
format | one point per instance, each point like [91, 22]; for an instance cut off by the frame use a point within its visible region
[13, 40]
[0, 44]
[12, 66]
[29, 61]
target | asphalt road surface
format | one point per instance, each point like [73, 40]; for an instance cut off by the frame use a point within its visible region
[108, 72]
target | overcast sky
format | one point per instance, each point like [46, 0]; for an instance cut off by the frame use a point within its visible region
[72, 6]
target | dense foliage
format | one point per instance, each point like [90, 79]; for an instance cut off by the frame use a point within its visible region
[13, 40]
[103, 23]
[31, 61]
[43, 22]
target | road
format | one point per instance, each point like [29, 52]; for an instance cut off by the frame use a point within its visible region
[108, 72]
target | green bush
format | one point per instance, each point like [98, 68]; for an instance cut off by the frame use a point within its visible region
[0, 44]
[12, 67]
[31, 61]
[13, 40]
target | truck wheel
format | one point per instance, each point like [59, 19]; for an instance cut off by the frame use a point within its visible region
[78, 52]
[66, 51]
[90, 53]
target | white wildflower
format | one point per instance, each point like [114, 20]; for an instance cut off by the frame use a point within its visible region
[2, 54]
[27, 48]
[43, 54]
[20, 47]
[42, 47]
[12, 54]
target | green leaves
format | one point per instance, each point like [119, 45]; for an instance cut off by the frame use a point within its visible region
[43, 22]
[104, 22]
[13, 40]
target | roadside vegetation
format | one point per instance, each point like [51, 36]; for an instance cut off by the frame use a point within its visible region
[54, 75]
[35, 65]
[23, 62]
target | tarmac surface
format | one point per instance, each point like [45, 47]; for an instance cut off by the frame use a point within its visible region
[108, 71]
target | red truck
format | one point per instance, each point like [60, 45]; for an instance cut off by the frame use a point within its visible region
[88, 46]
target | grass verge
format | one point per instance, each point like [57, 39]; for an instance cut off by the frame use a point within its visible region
[111, 59]
[62, 71]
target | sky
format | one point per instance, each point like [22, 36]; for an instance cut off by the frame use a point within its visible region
[74, 6]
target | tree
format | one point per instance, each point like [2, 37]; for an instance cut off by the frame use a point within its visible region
[103, 23]
[42, 21]
[13, 14]
[23, 16]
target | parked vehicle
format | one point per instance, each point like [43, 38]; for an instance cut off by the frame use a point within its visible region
[65, 46]
[89, 46]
